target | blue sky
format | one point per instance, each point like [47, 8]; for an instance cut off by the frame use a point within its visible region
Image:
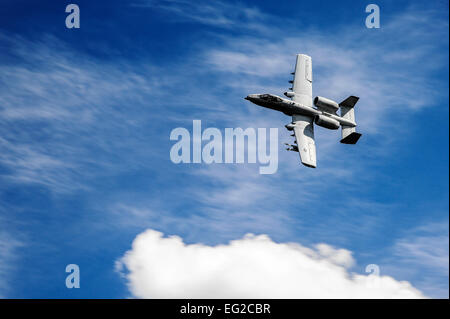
[86, 114]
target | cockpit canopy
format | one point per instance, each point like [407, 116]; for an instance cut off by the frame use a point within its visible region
[270, 98]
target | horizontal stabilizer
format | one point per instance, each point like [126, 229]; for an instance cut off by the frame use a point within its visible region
[352, 138]
[349, 102]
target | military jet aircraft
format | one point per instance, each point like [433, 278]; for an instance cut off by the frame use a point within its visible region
[304, 114]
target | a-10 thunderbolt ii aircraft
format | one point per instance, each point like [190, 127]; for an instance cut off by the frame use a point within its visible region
[304, 115]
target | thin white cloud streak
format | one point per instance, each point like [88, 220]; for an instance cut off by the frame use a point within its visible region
[423, 250]
[66, 116]
[8, 258]
[34, 88]
[429, 250]
[229, 200]
[206, 221]
[216, 13]
[251, 267]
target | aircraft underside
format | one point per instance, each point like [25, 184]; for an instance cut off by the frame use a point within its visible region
[304, 115]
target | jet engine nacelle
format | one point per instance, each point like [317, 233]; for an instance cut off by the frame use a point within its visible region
[327, 122]
[326, 104]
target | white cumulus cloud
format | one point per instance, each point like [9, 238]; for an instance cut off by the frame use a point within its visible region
[251, 267]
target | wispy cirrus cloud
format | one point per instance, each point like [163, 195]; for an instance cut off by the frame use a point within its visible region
[9, 244]
[427, 245]
[221, 14]
[60, 110]
[424, 250]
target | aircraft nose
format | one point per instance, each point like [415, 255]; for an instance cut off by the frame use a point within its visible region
[251, 97]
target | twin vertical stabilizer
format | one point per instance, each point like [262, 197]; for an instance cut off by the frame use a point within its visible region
[349, 134]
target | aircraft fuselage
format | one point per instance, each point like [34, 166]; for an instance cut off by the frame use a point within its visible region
[290, 107]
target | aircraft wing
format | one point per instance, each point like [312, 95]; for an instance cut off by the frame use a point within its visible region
[302, 83]
[303, 125]
[304, 135]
